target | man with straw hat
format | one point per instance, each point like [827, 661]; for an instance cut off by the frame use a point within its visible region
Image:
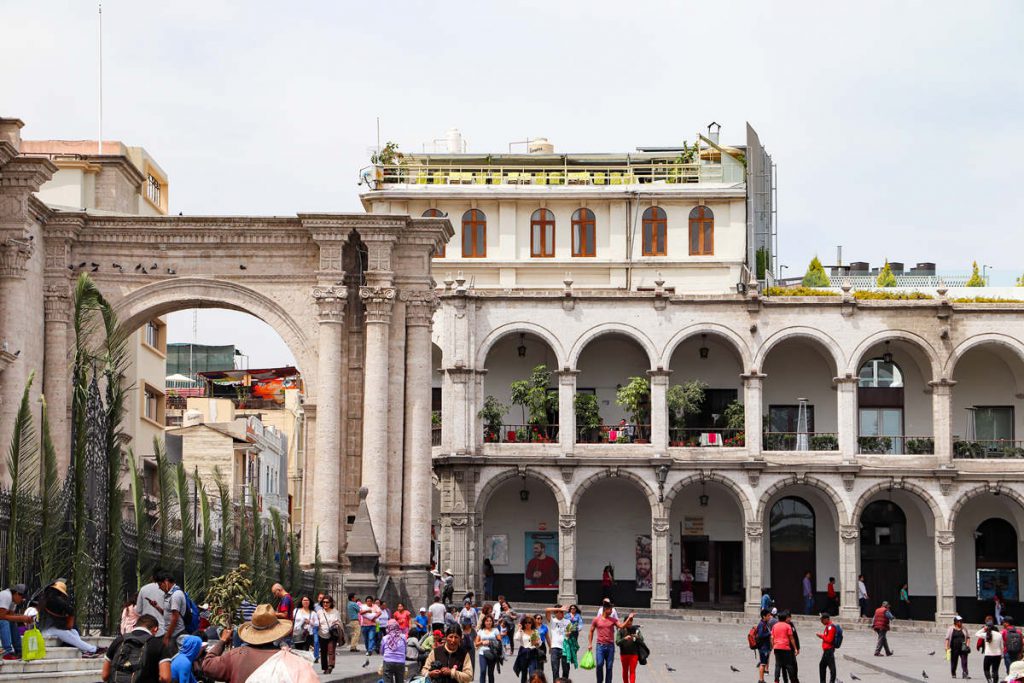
[259, 635]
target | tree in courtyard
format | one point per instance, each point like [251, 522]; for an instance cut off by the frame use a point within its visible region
[533, 396]
[684, 399]
[976, 280]
[815, 275]
[886, 278]
[635, 398]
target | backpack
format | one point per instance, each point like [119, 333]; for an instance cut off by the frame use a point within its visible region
[1014, 642]
[752, 638]
[191, 616]
[837, 641]
[131, 653]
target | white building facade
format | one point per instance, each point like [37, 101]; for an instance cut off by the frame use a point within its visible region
[875, 437]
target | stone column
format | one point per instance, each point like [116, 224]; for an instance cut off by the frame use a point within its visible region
[378, 302]
[567, 559]
[326, 474]
[846, 415]
[945, 586]
[942, 418]
[849, 551]
[459, 385]
[417, 486]
[56, 375]
[660, 595]
[659, 410]
[752, 559]
[14, 256]
[391, 548]
[567, 410]
[753, 430]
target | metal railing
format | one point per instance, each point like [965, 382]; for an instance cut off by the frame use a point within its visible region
[522, 434]
[484, 174]
[988, 448]
[435, 436]
[871, 281]
[696, 437]
[895, 445]
[631, 434]
[801, 441]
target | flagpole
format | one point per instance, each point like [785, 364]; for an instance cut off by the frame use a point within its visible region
[99, 134]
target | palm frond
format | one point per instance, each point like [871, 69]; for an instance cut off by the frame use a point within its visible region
[294, 570]
[226, 529]
[318, 566]
[141, 520]
[188, 531]
[204, 509]
[278, 544]
[22, 467]
[165, 496]
[52, 555]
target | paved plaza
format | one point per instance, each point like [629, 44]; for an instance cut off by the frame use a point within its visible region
[703, 652]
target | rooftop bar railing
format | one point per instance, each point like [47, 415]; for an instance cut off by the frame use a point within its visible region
[895, 445]
[484, 174]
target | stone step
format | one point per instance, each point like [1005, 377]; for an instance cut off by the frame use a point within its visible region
[48, 665]
[59, 677]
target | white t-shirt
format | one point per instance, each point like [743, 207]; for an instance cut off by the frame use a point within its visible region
[556, 631]
[151, 591]
[993, 648]
[437, 611]
[862, 590]
[487, 634]
[524, 639]
[7, 600]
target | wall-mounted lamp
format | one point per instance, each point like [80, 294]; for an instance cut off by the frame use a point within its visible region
[521, 349]
[887, 356]
[704, 350]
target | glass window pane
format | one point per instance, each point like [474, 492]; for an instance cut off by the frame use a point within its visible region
[892, 421]
[694, 240]
[549, 243]
[577, 247]
[590, 240]
[481, 239]
[708, 237]
[869, 422]
[467, 241]
[647, 240]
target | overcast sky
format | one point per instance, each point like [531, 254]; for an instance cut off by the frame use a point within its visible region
[896, 126]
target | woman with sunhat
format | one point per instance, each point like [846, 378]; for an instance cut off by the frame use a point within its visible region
[260, 635]
[57, 616]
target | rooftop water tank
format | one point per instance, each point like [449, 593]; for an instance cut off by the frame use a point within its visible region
[540, 146]
[456, 145]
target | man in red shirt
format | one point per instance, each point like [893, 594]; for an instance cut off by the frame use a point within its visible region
[785, 647]
[605, 627]
[542, 570]
[833, 597]
[828, 648]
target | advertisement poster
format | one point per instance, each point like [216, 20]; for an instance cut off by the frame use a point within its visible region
[541, 560]
[644, 564]
[701, 573]
[497, 549]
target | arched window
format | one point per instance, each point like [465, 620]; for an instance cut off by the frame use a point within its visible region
[655, 232]
[583, 233]
[879, 373]
[995, 559]
[702, 231]
[474, 234]
[791, 547]
[436, 213]
[542, 234]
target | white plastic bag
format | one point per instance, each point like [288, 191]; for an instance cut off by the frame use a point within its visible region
[284, 667]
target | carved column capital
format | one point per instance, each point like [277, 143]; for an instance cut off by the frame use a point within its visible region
[849, 533]
[330, 302]
[660, 526]
[420, 306]
[379, 302]
[14, 256]
[945, 538]
[755, 531]
[567, 523]
[56, 303]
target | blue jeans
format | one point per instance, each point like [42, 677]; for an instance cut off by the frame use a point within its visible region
[10, 639]
[316, 645]
[369, 638]
[808, 604]
[605, 658]
[486, 669]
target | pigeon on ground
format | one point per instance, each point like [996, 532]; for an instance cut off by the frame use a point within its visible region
[931, 653]
[734, 669]
[854, 677]
[668, 667]
[367, 662]
[924, 674]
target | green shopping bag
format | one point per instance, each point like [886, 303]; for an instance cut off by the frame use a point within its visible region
[32, 645]
[587, 660]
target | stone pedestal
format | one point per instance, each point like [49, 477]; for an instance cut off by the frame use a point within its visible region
[849, 549]
[661, 588]
[363, 553]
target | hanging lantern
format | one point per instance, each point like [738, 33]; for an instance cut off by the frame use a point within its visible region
[703, 499]
[887, 356]
[521, 349]
[704, 350]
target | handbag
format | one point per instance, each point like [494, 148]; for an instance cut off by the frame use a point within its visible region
[642, 652]
[32, 645]
[587, 660]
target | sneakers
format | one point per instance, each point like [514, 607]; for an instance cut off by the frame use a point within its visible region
[10, 657]
[94, 655]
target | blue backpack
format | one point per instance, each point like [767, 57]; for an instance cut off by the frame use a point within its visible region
[191, 616]
[837, 642]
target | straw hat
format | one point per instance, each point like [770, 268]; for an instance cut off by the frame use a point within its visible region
[265, 627]
[61, 586]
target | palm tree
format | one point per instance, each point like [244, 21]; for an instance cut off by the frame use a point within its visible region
[226, 535]
[141, 520]
[22, 464]
[204, 510]
[51, 505]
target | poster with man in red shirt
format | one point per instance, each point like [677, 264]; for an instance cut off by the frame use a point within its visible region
[541, 560]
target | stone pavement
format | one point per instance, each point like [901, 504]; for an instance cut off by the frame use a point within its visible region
[705, 652]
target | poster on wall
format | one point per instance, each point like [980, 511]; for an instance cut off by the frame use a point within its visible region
[541, 560]
[496, 549]
[644, 564]
[992, 580]
[693, 526]
[700, 574]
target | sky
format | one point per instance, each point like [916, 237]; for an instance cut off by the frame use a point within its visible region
[895, 126]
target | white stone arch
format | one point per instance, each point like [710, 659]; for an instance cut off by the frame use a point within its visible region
[932, 373]
[612, 328]
[998, 339]
[729, 336]
[833, 351]
[727, 482]
[606, 474]
[921, 492]
[964, 497]
[495, 482]
[525, 327]
[175, 294]
[821, 485]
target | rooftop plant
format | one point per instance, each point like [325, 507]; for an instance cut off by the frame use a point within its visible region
[387, 155]
[886, 278]
[815, 275]
[799, 291]
[872, 294]
[1020, 281]
[985, 300]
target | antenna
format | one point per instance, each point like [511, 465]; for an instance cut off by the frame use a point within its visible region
[99, 136]
[378, 135]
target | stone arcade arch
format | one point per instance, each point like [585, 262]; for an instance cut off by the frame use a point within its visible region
[312, 278]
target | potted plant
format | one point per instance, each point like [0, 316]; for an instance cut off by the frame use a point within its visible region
[824, 442]
[684, 399]
[635, 398]
[534, 398]
[874, 445]
[588, 415]
[492, 413]
[923, 446]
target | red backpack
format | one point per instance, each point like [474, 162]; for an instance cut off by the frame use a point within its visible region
[752, 638]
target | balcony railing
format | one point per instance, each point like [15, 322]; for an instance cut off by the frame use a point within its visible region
[988, 448]
[895, 445]
[522, 434]
[796, 441]
[484, 174]
[631, 434]
[435, 436]
[696, 437]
